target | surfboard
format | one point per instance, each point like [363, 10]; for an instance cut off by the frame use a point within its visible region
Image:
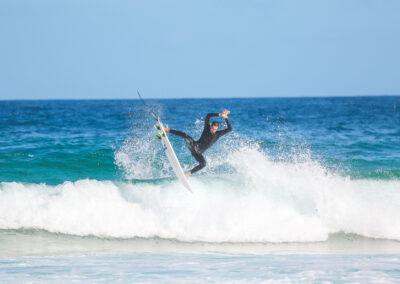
[172, 158]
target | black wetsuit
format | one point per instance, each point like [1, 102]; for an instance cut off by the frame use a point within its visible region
[198, 147]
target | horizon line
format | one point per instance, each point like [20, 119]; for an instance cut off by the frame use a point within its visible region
[200, 98]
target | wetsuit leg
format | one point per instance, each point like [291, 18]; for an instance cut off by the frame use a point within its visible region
[189, 140]
[193, 148]
[201, 160]
[180, 134]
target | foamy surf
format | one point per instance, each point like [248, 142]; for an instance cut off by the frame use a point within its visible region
[263, 201]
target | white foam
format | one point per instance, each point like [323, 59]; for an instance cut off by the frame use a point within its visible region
[262, 201]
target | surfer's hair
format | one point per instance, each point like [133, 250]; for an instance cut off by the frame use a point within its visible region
[215, 123]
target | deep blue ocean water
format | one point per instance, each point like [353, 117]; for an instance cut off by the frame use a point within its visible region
[301, 171]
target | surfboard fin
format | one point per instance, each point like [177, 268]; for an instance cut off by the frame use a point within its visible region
[157, 127]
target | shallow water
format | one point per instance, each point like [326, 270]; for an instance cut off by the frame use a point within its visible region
[193, 268]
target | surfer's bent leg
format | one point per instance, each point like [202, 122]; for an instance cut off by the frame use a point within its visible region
[193, 148]
[201, 160]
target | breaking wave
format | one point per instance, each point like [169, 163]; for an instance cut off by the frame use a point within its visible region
[256, 200]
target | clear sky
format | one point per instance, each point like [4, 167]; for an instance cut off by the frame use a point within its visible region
[72, 49]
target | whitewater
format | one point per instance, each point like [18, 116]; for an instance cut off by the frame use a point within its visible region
[263, 201]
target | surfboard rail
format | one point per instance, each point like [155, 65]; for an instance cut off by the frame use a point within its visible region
[172, 158]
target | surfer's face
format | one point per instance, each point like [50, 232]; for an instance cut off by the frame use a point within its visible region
[213, 128]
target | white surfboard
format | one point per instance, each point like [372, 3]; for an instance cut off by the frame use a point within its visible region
[176, 166]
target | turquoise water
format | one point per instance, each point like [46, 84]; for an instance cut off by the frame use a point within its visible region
[309, 175]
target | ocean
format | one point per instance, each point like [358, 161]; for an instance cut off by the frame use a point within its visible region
[302, 190]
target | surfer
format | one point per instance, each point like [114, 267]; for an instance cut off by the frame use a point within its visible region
[208, 137]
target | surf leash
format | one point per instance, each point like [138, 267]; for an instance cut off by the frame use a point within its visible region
[147, 108]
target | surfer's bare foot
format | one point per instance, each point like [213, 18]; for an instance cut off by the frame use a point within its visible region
[159, 128]
[188, 174]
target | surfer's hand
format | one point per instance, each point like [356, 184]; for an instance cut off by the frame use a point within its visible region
[225, 113]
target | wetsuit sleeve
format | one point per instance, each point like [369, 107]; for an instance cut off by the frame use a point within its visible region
[207, 120]
[228, 129]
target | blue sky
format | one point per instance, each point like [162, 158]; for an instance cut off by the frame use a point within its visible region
[72, 49]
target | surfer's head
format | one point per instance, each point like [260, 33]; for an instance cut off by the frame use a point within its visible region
[214, 127]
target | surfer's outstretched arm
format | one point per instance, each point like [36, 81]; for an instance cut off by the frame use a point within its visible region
[225, 114]
[212, 114]
[228, 128]
[207, 120]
